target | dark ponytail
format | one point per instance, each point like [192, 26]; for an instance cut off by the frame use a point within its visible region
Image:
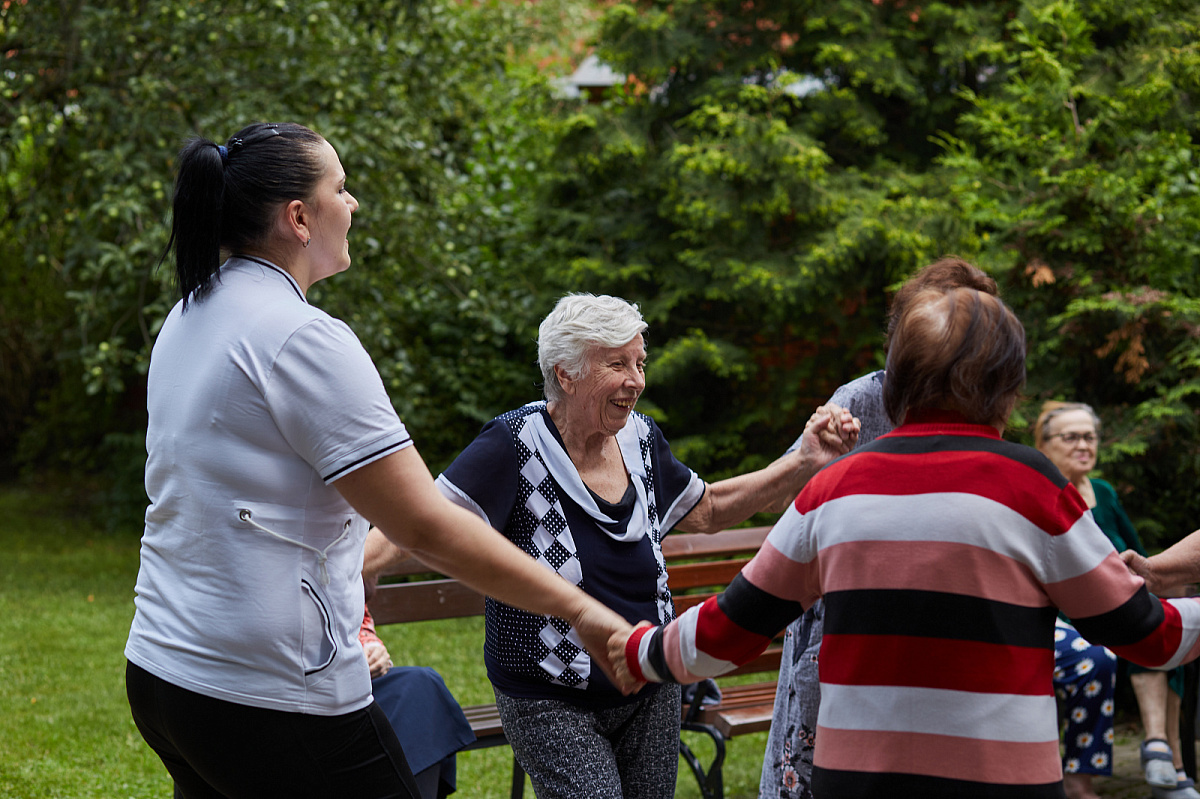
[226, 196]
[196, 225]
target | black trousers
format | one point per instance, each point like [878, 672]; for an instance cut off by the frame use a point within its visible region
[222, 750]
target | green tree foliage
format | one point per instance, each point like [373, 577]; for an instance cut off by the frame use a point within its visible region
[758, 183]
[99, 96]
[1076, 177]
[771, 167]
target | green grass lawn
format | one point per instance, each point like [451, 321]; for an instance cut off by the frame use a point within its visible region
[66, 600]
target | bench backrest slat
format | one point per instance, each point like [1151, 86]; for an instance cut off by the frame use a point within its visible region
[423, 601]
[726, 543]
[681, 576]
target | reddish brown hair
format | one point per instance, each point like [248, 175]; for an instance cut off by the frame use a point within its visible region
[961, 350]
[949, 272]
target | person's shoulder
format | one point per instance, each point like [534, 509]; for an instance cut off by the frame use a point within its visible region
[1022, 456]
[871, 381]
[863, 396]
[266, 313]
[1102, 486]
[517, 416]
[867, 386]
[508, 425]
[270, 302]
[643, 420]
[496, 444]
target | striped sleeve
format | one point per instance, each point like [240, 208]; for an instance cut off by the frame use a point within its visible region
[703, 642]
[1089, 582]
[735, 627]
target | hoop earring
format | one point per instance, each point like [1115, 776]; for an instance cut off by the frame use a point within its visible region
[308, 242]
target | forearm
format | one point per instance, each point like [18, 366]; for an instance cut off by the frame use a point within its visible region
[381, 555]
[1178, 565]
[411, 515]
[673, 653]
[462, 544]
[830, 431]
[729, 502]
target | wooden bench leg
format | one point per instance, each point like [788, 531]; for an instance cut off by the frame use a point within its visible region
[518, 780]
[711, 780]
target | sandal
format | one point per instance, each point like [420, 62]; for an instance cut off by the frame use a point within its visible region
[1159, 767]
[1184, 789]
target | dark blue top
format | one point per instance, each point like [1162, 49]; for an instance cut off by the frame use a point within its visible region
[623, 575]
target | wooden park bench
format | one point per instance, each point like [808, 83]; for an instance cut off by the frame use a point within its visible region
[698, 566]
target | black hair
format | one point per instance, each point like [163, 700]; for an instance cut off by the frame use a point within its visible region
[226, 196]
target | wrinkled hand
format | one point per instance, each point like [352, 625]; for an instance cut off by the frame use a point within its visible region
[616, 652]
[378, 659]
[1142, 567]
[598, 627]
[831, 431]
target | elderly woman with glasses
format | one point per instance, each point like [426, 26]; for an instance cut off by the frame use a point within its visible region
[1068, 433]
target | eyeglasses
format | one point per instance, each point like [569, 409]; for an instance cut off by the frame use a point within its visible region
[1074, 438]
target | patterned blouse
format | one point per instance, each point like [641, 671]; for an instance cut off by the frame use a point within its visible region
[518, 477]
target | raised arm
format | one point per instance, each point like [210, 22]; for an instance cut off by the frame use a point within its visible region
[398, 495]
[831, 431]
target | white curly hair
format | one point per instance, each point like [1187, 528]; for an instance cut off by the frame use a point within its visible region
[579, 322]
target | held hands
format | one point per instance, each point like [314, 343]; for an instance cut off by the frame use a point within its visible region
[599, 627]
[1142, 568]
[616, 652]
[831, 431]
[379, 555]
[1157, 583]
[378, 659]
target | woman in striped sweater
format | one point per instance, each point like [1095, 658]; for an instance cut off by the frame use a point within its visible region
[943, 554]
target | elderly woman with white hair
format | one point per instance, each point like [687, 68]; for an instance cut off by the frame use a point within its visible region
[589, 487]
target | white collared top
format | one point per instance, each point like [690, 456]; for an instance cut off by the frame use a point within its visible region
[249, 588]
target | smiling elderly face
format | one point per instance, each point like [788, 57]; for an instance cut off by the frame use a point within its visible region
[1071, 442]
[608, 390]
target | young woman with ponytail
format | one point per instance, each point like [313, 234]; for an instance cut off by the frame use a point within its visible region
[270, 442]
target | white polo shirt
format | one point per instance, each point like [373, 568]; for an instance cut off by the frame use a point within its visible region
[250, 588]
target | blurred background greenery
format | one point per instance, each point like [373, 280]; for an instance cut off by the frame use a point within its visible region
[758, 178]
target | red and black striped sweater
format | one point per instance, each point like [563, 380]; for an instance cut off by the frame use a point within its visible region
[943, 553]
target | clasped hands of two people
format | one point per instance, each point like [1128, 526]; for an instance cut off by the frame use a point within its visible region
[831, 431]
[1161, 579]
